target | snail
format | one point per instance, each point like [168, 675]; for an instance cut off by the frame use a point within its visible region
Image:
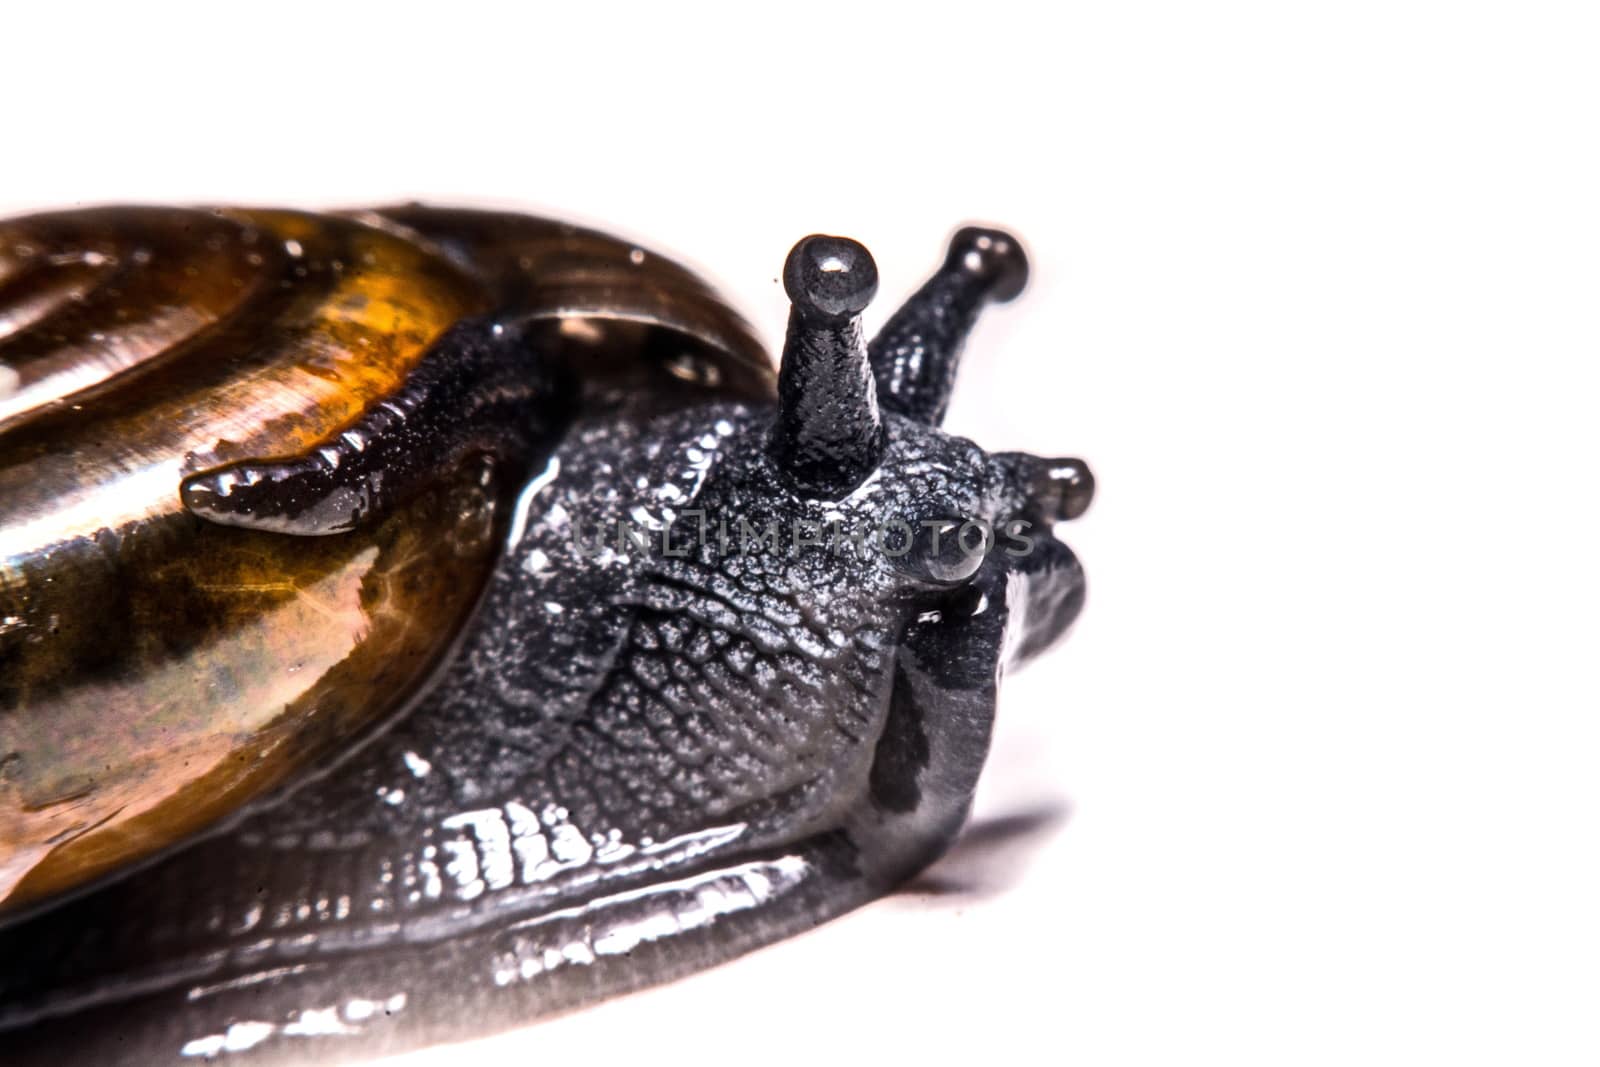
[416, 621]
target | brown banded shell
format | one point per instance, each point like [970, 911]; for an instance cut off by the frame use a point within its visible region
[158, 672]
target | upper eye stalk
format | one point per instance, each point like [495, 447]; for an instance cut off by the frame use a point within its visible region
[829, 434]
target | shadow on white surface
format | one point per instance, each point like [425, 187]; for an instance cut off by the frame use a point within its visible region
[991, 856]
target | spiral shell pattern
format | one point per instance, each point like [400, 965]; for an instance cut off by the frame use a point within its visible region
[157, 672]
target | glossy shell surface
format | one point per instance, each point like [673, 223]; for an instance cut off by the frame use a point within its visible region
[158, 672]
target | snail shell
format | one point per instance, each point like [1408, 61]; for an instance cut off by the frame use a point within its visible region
[158, 672]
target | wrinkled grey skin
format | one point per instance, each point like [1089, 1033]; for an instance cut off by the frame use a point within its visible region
[641, 763]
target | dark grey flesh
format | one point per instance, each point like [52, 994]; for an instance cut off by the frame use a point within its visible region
[645, 758]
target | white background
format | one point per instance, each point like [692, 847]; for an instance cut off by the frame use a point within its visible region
[1315, 291]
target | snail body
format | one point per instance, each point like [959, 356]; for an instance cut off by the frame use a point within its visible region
[357, 693]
